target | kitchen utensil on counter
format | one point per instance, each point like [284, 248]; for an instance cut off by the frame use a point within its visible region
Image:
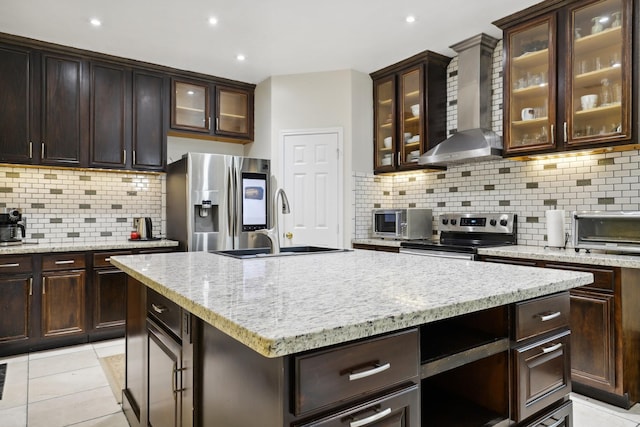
[556, 236]
[144, 227]
[12, 228]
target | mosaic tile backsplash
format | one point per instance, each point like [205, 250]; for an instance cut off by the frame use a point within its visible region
[608, 182]
[81, 206]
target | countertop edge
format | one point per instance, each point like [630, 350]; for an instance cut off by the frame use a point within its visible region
[36, 248]
[568, 255]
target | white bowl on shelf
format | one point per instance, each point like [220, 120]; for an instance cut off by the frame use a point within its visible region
[387, 142]
[385, 161]
[415, 110]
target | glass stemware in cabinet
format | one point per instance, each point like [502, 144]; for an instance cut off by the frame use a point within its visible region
[529, 122]
[411, 117]
[597, 78]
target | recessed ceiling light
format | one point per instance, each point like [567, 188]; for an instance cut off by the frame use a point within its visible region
[410, 19]
[213, 20]
[95, 22]
[240, 57]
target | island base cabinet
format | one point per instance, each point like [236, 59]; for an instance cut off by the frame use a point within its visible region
[561, 417]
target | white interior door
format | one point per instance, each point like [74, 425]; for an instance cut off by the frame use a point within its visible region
[312, 179]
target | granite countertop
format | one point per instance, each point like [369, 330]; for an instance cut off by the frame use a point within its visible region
[378, 242]
[34, 248]
[563, 255]
[288, 304]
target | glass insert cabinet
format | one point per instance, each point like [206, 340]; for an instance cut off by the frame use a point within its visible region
[409, 100]
[568, 77]
[209, 108]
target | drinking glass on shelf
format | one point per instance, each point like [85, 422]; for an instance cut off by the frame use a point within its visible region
[605, 92]
[616, 90]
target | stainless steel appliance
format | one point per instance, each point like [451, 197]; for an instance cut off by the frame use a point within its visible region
[217, 202]
[12, 228]
[144, 227]
[406, 224]
[461, 234]
[608, 231]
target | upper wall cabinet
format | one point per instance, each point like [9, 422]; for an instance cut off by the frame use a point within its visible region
[207, 108]
[409, 109]
[569, 74]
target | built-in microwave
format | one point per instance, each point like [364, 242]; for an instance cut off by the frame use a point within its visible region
[405, 224]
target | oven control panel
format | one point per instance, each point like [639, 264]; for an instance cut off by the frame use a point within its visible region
[477, 222]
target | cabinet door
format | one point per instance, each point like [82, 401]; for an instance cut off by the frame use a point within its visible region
[109, 122]
[598, 74]
[109, 299]
[530, 86]
[15, 109]
[63, 303]
[15, 303]
[149, 120]
[190, 108]
[542, 374]
[164, 394]
[234, 113]
[385, 130]
[64, 108]
[593, 340]
[411, 112]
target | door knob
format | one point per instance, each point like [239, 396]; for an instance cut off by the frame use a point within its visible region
[289, 235]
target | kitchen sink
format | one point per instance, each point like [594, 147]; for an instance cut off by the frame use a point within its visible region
[284, 251]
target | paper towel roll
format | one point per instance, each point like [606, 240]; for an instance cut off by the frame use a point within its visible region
[555, 228]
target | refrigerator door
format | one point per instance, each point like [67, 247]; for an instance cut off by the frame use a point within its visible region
[252, 202]
[211, 201]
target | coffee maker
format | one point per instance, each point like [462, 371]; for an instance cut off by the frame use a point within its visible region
[12, 229]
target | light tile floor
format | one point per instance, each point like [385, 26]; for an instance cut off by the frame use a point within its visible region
[67, 387]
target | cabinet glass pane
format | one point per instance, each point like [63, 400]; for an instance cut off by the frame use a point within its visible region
[191, 106]
[596, 87]
[233, 112]
[385, 131]
[410, 114]
[529, 100]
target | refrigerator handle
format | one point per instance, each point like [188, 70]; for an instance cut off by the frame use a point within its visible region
[230, 203]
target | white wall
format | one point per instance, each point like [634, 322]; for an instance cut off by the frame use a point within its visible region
[329, 99]
[261, 147]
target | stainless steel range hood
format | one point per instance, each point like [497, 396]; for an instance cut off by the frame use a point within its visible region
[474, 141]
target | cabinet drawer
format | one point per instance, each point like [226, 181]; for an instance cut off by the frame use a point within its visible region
[68, 261]
[560, 417]
[603, 278]
[15, 264]
[396, 409]
[541, 315]
[542, 374]
[164, 311]
[101, 259]
[327, 377]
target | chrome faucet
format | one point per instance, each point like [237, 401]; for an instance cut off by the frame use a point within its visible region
[273, 232]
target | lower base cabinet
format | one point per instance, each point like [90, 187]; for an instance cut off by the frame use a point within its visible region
[507, 366]
[16, 290]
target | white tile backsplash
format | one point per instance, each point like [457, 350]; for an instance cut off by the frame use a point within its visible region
[63, 205]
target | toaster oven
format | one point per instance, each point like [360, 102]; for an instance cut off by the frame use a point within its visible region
[607, 231]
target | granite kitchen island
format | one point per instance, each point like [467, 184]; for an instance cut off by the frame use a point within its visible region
[350, 338]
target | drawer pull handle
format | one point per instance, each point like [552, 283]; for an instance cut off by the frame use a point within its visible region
[70, 261]
[107, 259]
[549, 316]
[554, 347]
[10, 265]
[371, 419]
[557, 423]
[158, 308]
[369, 372]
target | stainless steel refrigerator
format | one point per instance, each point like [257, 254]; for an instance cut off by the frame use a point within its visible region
[216, 202]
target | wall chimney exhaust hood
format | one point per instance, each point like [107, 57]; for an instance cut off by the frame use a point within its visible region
[474, 141]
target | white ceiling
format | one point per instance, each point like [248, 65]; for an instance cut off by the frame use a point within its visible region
[276, 36]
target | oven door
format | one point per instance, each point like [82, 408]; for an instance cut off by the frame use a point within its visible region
[386, 223]
[439, 254]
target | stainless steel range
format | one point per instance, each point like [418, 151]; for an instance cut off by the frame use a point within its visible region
[461, 234]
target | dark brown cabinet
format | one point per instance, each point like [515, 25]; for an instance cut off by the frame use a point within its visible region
[409, 110]
[17, 89]
[568, 76]
[63, 295]
[108, 294]
[16, 290]
[212, 109]
[64, 105]
[150, 106]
